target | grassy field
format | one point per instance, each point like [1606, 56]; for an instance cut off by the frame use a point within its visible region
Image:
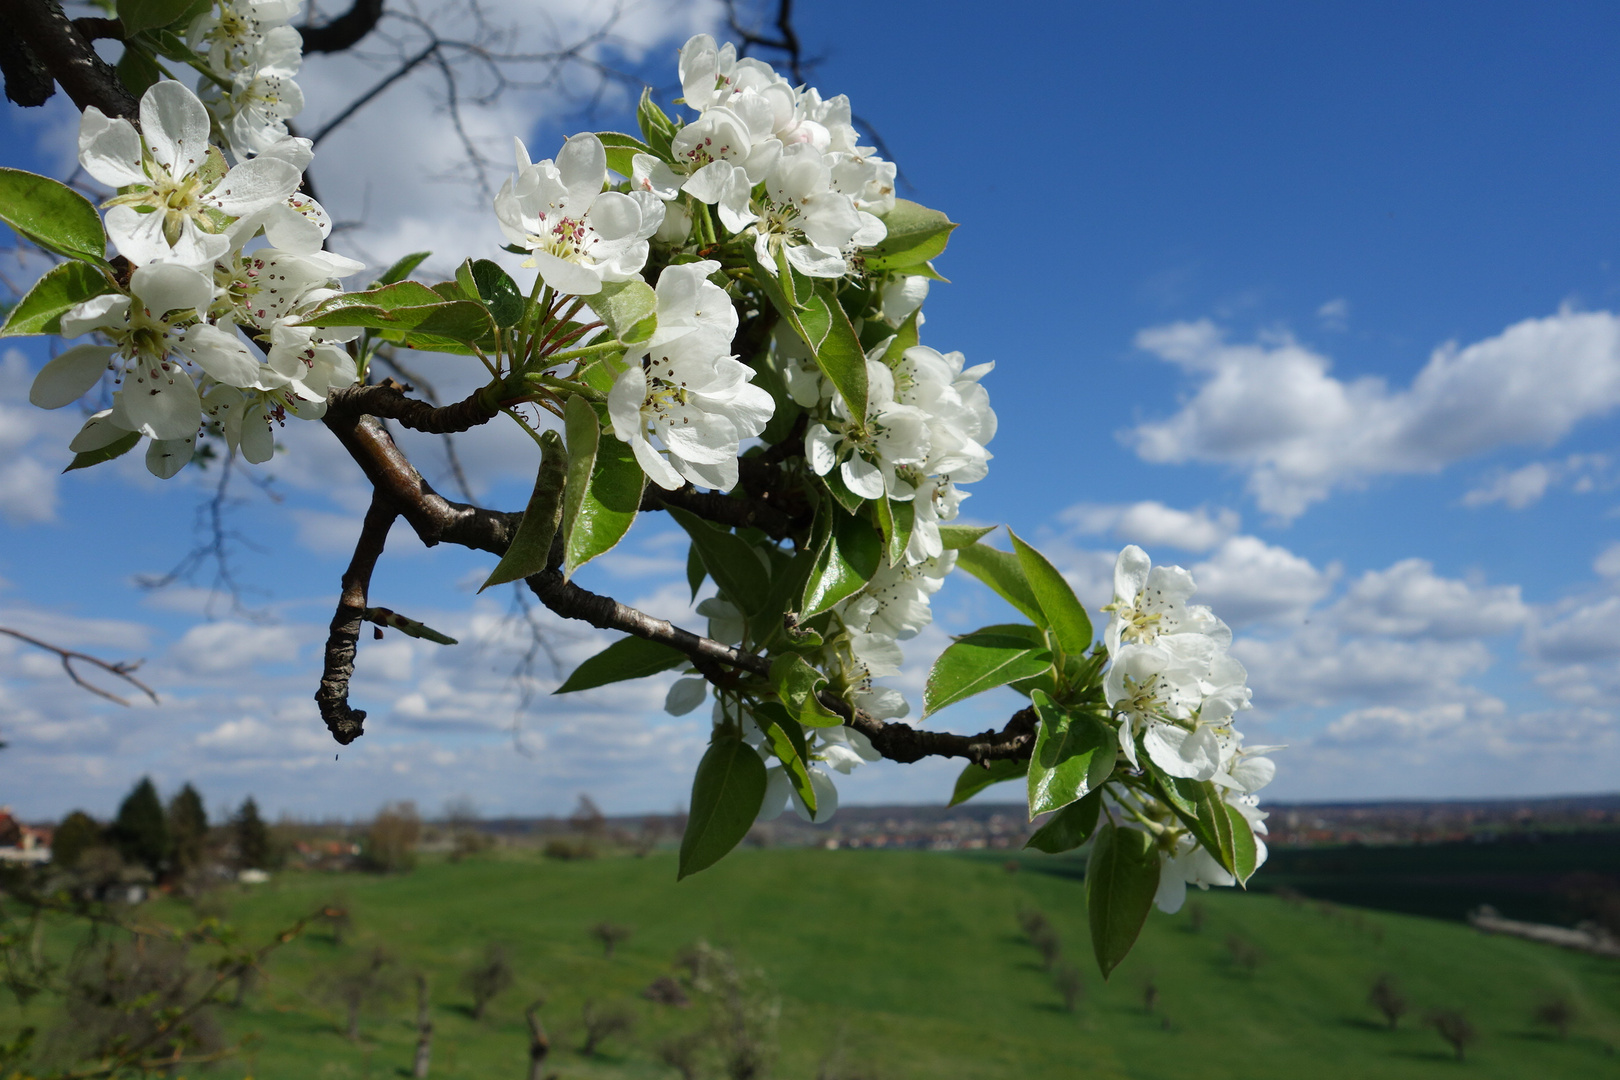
[910, 964]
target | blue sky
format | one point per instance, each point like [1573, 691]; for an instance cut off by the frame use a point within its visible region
[1318, 301]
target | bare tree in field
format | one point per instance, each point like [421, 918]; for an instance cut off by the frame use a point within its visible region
[1455, 1028]
[1387, 998]
[1070, 984]
[362, 984]
[539, 1041]
[424, 1030]
[1558, 1013]
[604, 1022]
[490, 977]
[610, 934]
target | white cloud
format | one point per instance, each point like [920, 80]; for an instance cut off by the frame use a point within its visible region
[1608, 561]
[1273, 410]
[1153, 524]
[1247, 580]
[1335, 314]
[233, 648]
[1409, 600]
[1525, 486]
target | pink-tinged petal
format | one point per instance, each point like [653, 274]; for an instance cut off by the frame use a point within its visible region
[160, 399]
[163, 287]
[582, 166]
[567, 277]
[253, 185]
[165, 457]
[647, 173]
[69, 377]
[175, 126]
[221, 354]
[110, 150]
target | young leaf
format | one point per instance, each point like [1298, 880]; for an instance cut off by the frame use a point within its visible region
[498, 292]
[1065, 616]
[961, 536]
[629, 308]
[407, 307]
[916, 234]
[1069, 827]
[531, 547]
[1216, 825]
[138, 15]
[656, 127]
[401, 269]
[409, 627]
[1002, 571]
[137, 69]
[695, 571]
[729, 559]
[598, 511]
[63, 287]
[786, 738]
[627, 658]
[117, 448]
[726, 796]
[975, 778]
[1074, 754]
[838, 349]
[621, 151]
[847, 563]
[896, 520]
[796, 683]
[1121, 877]
[980, 662]
[52, 215]
[834, 483]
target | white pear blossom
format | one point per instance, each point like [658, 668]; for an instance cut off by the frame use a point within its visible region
[180, 197]
[809, 222]
[578, 235]
[868, 455]
[1151, 601]
[1187, 864]
[895, 604]
[688, 391]
[934, 384]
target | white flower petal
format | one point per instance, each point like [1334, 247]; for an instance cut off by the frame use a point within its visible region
[69, 377]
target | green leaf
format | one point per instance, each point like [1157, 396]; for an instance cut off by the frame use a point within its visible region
[1002, 571]
[117, 448]
[408, 307]
[916, 234]
[531, 547]
[1069, 827]
[137, 68]
[499, 293]
[169, 45]
[52, 215]
[796, 683]
[138, 15]
[1214, 823]
[629, 308]
[726, 796]
[975, 778]
[730, 560]
[621, 151]
[656, 127]
[64, 286]
[695, 572]
[838, 349]
[627, 658]
[852, 555]
[401, 269]
[961, 536]
[1065, 617]
[895, 520]
[1074, 754]
[1121, 877]
[980, 662]
[834, 483]
[786, 738]
[603, 490]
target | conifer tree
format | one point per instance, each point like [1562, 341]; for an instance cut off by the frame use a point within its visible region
[188, 827]
[139, 832]
[252, 837]
[78, 833]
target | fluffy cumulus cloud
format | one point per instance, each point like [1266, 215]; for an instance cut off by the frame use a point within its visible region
[1273, 408]
[1523, 487]
[30, 446]
[1153, 524]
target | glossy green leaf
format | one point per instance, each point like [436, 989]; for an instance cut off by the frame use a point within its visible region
[1065, 616]
[621, 150]
[695, 572]
[980, 662]
[1122, 876]
[726, 796]
[838, 349]
[1074, 754]
[895, 520]
[1217, 826]
[629, 308]
[916, 234]
[171, 45]
[1069, 827]
[961, 536]
[785, 736]
[627, 658]
[656, 127]
[402, 269]
[137, 68]
[730, 560]
[975, 778]
[797, 683]
[138, 15]
[498, 291]
[850, 558]
[64, 286]
[834, 484]
[52, 215]
[1002, 571]
[531, 547]
[117, 448]
[603, 490]
[407, 307]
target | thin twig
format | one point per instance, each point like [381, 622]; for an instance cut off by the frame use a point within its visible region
[122, 669]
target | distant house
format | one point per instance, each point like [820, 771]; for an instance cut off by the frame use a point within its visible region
[21, 843]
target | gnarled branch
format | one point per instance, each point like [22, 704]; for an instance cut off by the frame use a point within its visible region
[347, 724]
[64, 53]
[387, 399]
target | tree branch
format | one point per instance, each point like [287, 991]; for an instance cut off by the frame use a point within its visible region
[345, 31]
[347, 724]
[123, 669]
[713, 506]
[67, 56]
[387, 399]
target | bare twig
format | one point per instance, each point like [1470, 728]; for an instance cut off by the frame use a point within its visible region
[122, 669]
[347, 724]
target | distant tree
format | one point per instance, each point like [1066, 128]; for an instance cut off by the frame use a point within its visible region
[683, 1053]
[1558, 1013]
[1386, 997]
[1245, 954]
[1150, 994]
[665, 990]
[361, 984]
[587, 819]
[490, 977]
[1197, 916]
[1041, 934]
[140, 993]
[539, 1041]
[78, 833]
[603, 1022]
[610, 934]
[140, 832]
[338, 919]
[188, 828]
[1454, 1027]
[424, 1030]
[1070, 984]
[252, 837]
[389, 845]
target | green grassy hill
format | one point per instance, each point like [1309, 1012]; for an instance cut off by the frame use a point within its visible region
[912, 963]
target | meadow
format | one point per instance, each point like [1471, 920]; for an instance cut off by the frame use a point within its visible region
[894, 964]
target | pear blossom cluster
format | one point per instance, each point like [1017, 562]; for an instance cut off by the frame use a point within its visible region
[178, 333]
[252, 53]
[1174, 689]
